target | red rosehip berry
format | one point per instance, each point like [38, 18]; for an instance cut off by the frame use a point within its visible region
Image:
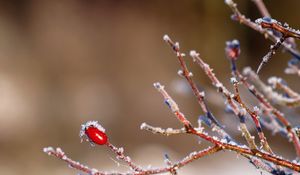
[96, 136]
[94, 133]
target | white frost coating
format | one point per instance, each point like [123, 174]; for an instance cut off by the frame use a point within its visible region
[274, 21]
[172, 105]
[233, 80]
[90, 124]
[228, 2]
[143, 126]
[215, 138]
[120, 150]
[256, 109]
[259, 21]
[202, 94]
[194, 54]
[290, 71]
[64, 157]
[180, 72]
[247, 70]
[94, 171]
[235, 42]
[232, 143]
[274, 80]
[158, 86]
[176, 45]
[223, 140]
[48, 149]
[219, 85]
[243, 111]
[166, 38]
[59, 151]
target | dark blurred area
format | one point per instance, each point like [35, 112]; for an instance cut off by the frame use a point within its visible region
[65, 62]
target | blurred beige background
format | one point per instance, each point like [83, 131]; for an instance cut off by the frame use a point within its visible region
[64, 62]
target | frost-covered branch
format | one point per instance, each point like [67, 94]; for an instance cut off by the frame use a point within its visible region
[263, 115]
[269, 92]
[159, 130]
[280, 84]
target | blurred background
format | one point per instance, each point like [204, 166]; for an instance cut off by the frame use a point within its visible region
[64, 62]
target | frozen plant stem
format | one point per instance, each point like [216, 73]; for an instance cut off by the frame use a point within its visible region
[269, 92]
[165, 132]
[262, 8]
[255, 119]
[188, 76]
[120, 155]
[272, 52]
[186, 73]
[58, 153]
[240, 113]
[292, 69]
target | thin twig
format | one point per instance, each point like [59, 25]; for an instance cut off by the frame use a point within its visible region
[271, 52]
[165, 132]
[262, 8]
[279, 83]
[255, 119]
[269, 92]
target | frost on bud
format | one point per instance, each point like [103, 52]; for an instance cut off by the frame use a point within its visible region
[256, 109]
[229, 2]
[273, 80]
[202, 94]
[180, 73]
[48, 150]
[232, 49]
[143, 126]
[158, 86]
[94, 171]
[258, 21]
[205, 120]
[166, 38]
[172, 105]
[233, 80]
[266, 22]
[176, 46]
[94, 133]
[194, 54]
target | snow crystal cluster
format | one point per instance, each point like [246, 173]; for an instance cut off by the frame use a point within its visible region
[90, 124]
